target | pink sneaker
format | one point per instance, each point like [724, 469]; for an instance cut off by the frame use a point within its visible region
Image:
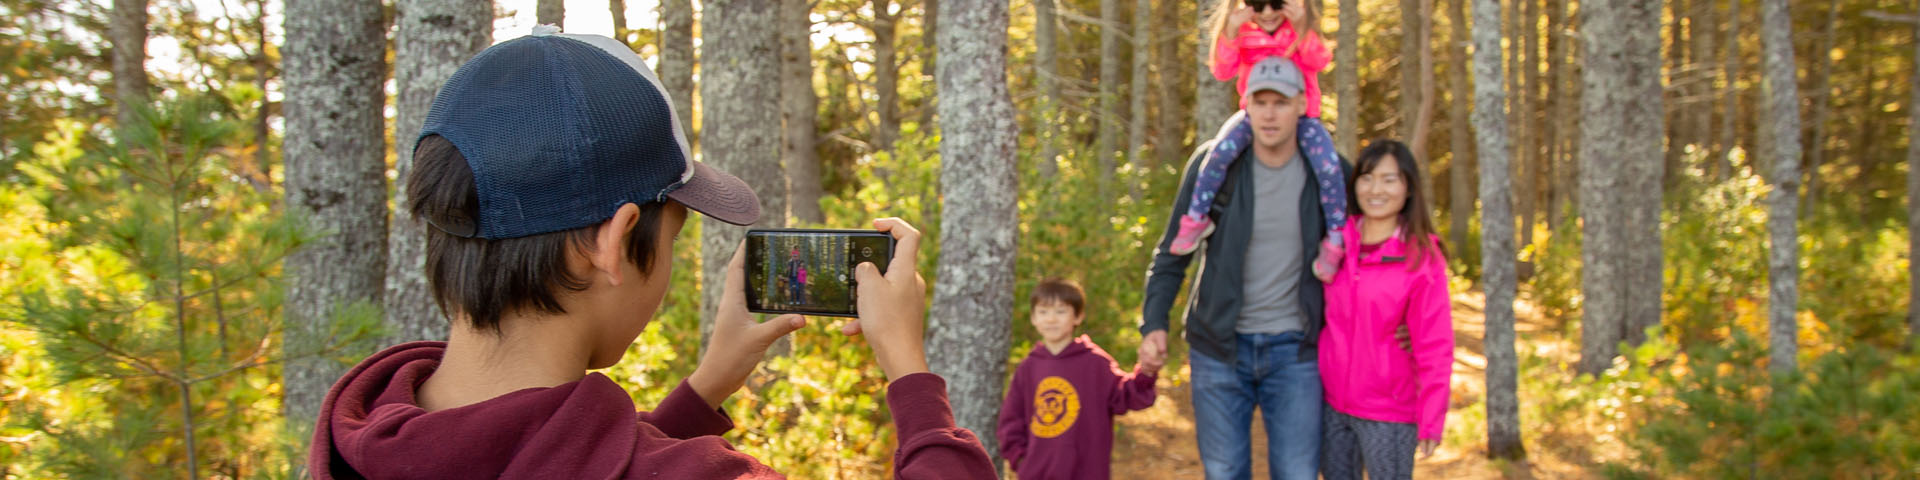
[1329, 262]
[1191, 232]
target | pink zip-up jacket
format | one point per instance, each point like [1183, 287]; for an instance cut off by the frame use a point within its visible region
[1365, 372]
[1233, 58]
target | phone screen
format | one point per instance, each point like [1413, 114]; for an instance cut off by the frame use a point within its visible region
[810, 271]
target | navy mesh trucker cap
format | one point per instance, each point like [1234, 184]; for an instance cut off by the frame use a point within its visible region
[562, 129]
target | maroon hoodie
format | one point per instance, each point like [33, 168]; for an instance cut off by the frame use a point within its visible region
[1057, 421]
[371, 427]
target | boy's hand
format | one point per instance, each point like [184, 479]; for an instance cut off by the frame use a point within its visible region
[738, 342]
[1152, 363]
[893, 306]
[1154, 345]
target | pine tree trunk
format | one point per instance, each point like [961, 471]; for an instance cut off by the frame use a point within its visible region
[1213, 100]
[1603, 136]
[551, 12]
[1730, 97]
[1171, 147]
[618, 10]
[973, 289]
[1699, 104]
[1496, 240]
[886, 76]
[1346, 79]
[742, 59]
[1109, 87]
[1783, 123]
[1913, 200]
[799, 104]
[1822, 98]
[1411, 19]
[335, 70]
[1643, 172]
[1137, 125]
[127, 30]
[1460, 205]
[1423, 110]
[1553, 95]
[1525, 166]
[676, 63]
[1046, 48]
[1567, 105]
[432, 39]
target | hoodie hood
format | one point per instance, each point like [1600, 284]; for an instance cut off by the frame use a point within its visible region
[1080, 345]
[371, 426]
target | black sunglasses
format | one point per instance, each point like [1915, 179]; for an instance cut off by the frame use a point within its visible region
[1258, 5]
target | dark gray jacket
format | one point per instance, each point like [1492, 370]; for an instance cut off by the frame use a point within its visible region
[1213, 303]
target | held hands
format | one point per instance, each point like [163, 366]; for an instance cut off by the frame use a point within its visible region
[893, 306]
[1153, 350]
[738, 342]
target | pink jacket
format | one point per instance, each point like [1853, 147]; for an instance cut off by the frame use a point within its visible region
[1232, 59]
[1365, 372]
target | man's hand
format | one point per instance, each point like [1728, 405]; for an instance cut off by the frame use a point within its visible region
[738, 342]
[893, 307]
[1153, 346]
[1427, 447]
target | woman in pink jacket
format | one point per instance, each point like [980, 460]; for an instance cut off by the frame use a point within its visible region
[1385, 401]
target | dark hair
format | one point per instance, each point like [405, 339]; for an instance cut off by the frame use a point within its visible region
[1059, 290]
[1416, 219]
[486, 279]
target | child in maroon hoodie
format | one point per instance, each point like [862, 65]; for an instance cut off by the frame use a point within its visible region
[555, 179]
[1057, 420]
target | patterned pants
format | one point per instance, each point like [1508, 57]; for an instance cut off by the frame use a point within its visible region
[1315, 144]
[1351, 445]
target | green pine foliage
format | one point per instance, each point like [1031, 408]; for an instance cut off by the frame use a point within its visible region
[148, 306]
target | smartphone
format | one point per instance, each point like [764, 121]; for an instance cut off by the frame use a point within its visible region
[810, 271]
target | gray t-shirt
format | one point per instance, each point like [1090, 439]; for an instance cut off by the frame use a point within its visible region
[1275, 253]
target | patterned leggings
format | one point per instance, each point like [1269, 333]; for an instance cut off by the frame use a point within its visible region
[1352, 445]
[1237, 134]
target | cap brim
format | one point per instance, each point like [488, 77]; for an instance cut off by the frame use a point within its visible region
[719, 195]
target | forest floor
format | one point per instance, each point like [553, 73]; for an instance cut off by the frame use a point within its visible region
[1159, 442]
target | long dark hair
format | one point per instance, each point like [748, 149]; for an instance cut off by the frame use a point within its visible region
[1416, 218]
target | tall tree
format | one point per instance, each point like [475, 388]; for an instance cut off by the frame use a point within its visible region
[742, 60]
[1783, 152]
[551, 12]
[1603, 139]
[1137, 124]
[798, 105]
[1821, 94]
[432, 38]
[1108, 115]
[1346, 78]
[1213, 100]
[127, 30]
[1416, 73]
[1525, 158]
[1699, 104]
[1496, 239]
[1170, 145]
[1555, 109]
[336, 69]
[1046, 48]
[1643, 172]
[1729, 97]
[1460, 205]
[617, 9]
[886, 75]
[1913, 195]
[973, 288]
[676, 62]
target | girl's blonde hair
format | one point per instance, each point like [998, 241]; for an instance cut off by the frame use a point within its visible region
[1218, 19]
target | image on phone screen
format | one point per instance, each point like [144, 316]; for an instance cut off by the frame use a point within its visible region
[810, 271]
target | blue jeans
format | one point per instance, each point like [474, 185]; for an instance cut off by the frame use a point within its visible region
[1270, 375]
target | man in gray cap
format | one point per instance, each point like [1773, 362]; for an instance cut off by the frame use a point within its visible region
[1256, 309]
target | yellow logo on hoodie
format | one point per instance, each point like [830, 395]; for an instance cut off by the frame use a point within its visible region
[1055, 406]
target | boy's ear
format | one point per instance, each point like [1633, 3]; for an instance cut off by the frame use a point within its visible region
[607, 255]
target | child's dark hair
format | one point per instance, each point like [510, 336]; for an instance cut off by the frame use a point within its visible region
[486, 279]
[1416, 218]
[1059, 290]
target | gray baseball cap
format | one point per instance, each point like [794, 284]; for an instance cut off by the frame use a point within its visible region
[1277, 74]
